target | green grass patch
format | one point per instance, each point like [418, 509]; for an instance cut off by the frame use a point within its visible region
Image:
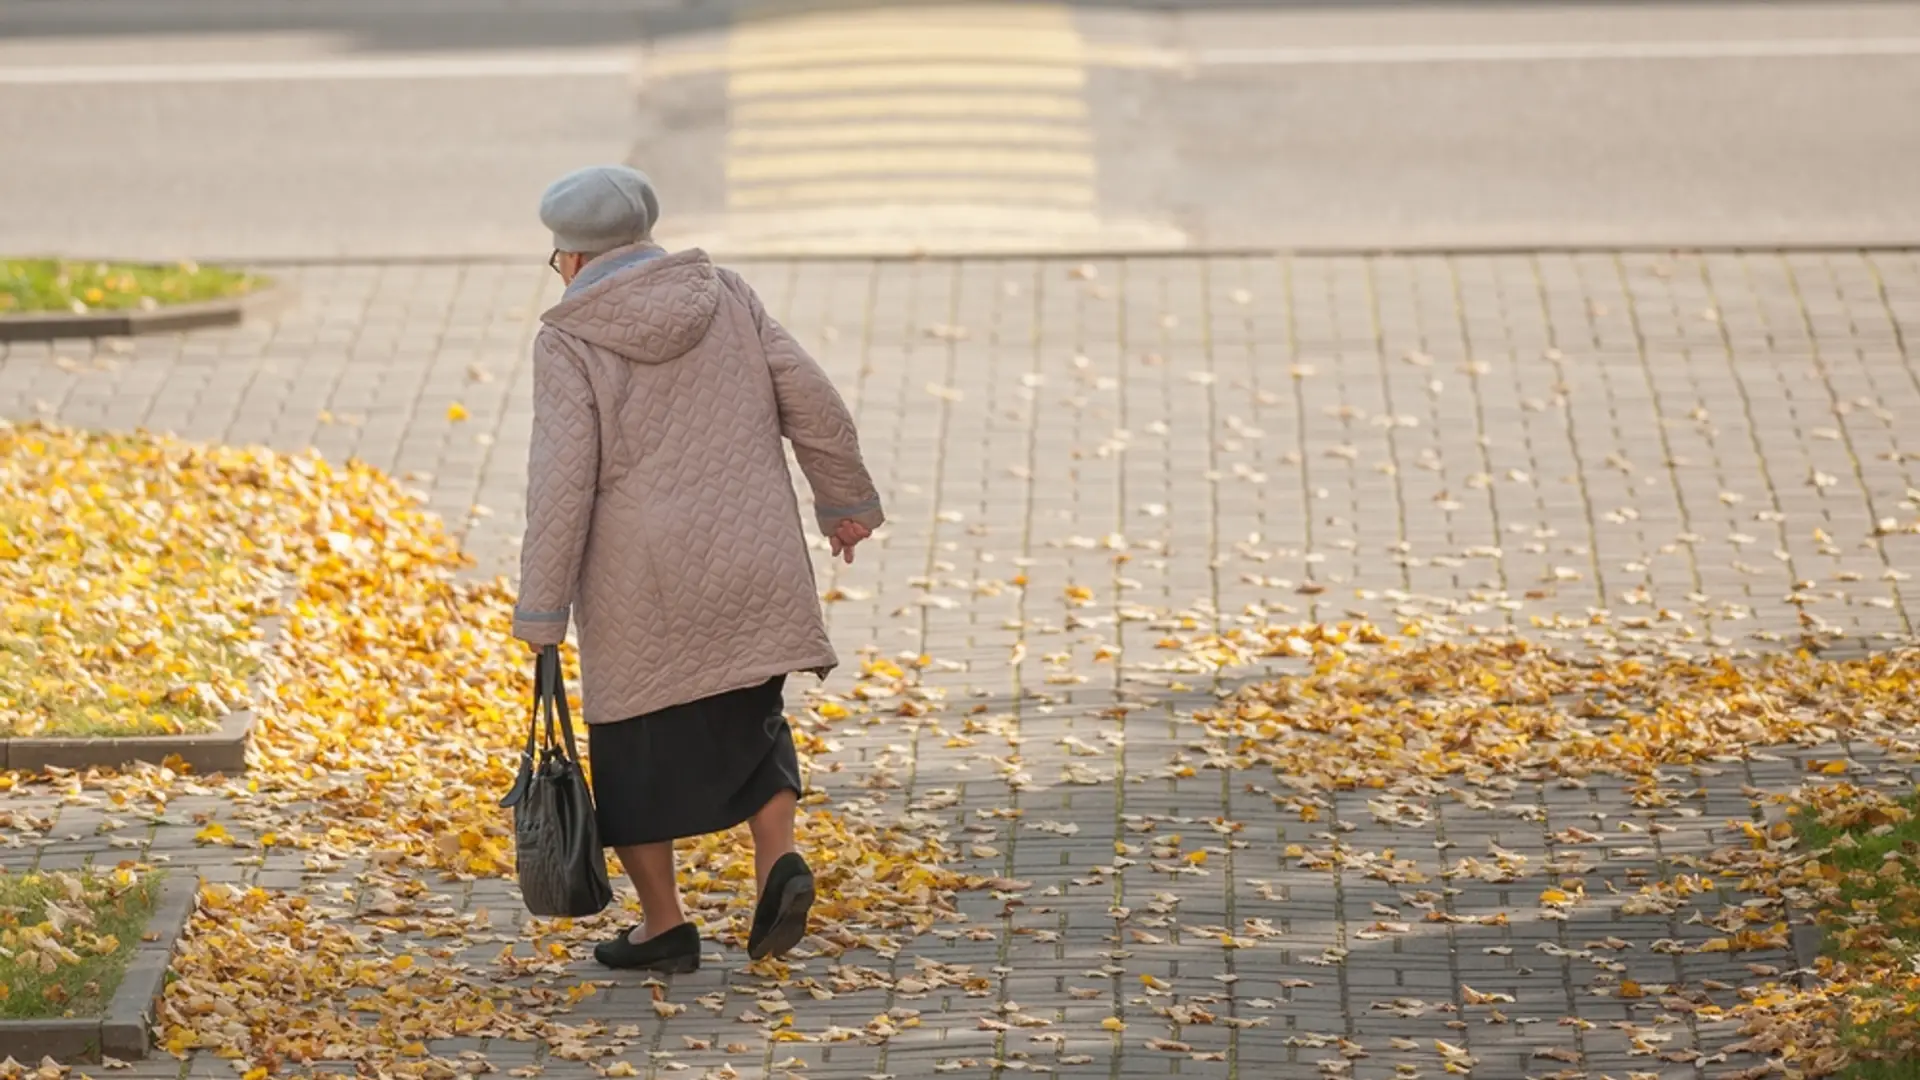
[59, 285]
[65, 939]
[1867, 882]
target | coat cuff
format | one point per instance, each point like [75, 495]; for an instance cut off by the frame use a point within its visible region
[541, 627]
[867, 513]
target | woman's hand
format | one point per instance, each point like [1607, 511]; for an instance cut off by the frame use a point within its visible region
[845, 535]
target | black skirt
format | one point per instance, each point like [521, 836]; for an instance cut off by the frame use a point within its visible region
[692, 769]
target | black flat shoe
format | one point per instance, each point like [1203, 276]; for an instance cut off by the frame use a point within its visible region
[675, 952]
[780, 918]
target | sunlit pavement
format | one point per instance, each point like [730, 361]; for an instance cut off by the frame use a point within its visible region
[1109, 403]
[1703, 446]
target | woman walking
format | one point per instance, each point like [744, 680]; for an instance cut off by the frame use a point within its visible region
[662, 520]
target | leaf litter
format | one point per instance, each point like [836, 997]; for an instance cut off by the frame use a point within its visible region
[1409, 717]
[149, 634]
[389, 783]
[390, 702]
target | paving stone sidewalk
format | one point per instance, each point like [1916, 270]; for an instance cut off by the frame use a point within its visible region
[1720, 443]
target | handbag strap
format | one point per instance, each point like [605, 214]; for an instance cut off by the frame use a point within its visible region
[559, 713]
[546, 673]
[533, 718]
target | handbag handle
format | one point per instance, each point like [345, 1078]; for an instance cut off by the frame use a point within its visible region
[550, 690]
[550, 696]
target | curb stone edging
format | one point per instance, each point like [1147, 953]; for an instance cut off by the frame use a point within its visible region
[125, 1029]
[223, 750]
[49, 326]
[220, 751]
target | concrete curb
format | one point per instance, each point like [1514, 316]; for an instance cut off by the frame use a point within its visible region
[221, 751]
[745, 254]
[50, 326]
[125, 1030]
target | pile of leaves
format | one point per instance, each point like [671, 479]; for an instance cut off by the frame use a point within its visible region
[1403, 711]
[132, 577]
[65, 938]
[59, 285]
[392, 703]
[1404, 717]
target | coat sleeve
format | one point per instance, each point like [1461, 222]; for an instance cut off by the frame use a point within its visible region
[563, 466]
[815, 418]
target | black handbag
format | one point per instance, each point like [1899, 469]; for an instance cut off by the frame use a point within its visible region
[562, 869]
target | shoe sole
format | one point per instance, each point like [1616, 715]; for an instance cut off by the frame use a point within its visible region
[675, 965]
[679, 965]
[671, 965]
[790, 922]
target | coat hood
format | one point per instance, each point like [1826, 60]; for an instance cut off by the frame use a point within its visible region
[641, 303]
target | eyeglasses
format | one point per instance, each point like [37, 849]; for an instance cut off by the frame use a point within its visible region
[553, 261]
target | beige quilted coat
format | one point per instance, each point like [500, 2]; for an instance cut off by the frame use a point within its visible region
[661, 514]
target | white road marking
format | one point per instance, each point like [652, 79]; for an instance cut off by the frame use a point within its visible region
[912, 107]
[889, 77]
[920, 133]
[870, 121]
[882, 160]
[1553, 52]
[910, 191]
[481, 66]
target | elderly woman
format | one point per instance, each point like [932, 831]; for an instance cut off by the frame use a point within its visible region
[661, 518]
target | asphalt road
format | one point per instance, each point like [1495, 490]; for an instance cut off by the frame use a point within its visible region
[348, 128]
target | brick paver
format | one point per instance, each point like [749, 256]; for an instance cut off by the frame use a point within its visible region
[1712, 443]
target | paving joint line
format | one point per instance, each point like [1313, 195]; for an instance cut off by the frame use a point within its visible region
[1563, 396]
[1300, 435]
[1825, 372]
[1532, 440]
[1690, 1019]
[1483, 440]
[1746, 404]
[1560, 927]
[1454, 977]
[1913, 375]
[1399, 557]
[1666, 443]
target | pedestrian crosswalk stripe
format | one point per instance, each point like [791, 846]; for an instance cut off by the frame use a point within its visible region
[770, 113]
[911, 191]
[965, 160]
[905, 75]
[906, 134]
[925, 227]
[910, 128]
[897, 134]
[959, 46]
[959, 216]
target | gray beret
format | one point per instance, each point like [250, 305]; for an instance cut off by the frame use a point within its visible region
[599, 208]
